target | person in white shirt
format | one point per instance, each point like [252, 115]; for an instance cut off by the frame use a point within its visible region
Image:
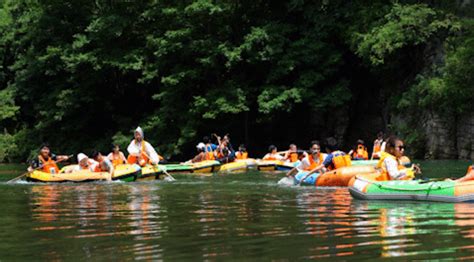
[140, 151]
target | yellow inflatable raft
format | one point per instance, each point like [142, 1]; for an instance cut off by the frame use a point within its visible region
[69, 174]
[274, 165]
[152, 172]
[208, 166]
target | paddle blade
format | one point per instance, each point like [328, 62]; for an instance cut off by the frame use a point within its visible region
[169, 179]
[287, 181]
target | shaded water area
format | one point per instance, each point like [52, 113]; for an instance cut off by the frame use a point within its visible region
[234, 216]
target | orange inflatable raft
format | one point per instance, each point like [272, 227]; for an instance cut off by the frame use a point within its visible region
[342, 176]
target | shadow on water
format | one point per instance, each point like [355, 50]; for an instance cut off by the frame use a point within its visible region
[243, 216]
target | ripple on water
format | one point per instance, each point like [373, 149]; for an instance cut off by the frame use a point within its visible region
[209, 218]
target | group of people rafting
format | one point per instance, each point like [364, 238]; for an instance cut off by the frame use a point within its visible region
[389, 152]
[140, 152]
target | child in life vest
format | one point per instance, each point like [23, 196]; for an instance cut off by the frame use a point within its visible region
[116, 156]
[242, 153]
[360, 151]
[292, 154]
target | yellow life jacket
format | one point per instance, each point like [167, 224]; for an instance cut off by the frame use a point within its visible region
[385, 176]
[116, 160]
[340, 159]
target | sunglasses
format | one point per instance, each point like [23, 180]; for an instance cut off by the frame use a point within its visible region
[316, 148]
[400, 147]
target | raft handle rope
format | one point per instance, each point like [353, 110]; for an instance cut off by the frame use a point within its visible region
[401, 189]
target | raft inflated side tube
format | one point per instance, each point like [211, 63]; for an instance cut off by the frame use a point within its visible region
[124, 172]
[250, 162]
[342, 176]
[267, 165]
[274, 165]
[207, 166]
[178, 168]
[441, 191]
[311, 180]
[238, 166]
[364, 162]
[152, 172]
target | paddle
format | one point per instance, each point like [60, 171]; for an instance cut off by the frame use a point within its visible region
[29, 172]
[156, 166]
[170, 176]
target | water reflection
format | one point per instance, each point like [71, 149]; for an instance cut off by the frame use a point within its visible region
[238, 220]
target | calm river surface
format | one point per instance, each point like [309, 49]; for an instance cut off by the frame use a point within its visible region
[225, 217]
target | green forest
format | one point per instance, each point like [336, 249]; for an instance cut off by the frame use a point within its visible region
[83, 74]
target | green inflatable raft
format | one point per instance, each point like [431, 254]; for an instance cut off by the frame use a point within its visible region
[418, 190]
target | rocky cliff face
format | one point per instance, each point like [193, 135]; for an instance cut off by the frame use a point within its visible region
[449, 137]
[465, 136]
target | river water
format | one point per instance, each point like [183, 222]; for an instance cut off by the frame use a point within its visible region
[225, 217]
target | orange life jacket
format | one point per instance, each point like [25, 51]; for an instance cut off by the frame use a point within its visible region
[469, 169]
[116, 160]
[219, 155]
[360, 153]
[384, 175]
[208, 153]
[241, 155]
[142, 160]
[270, 157]
[377, 148]
[49, 166]
[312, 163]
[293, 157]
[340, 159]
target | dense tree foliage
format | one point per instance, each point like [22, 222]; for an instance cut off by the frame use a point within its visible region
[81, 74]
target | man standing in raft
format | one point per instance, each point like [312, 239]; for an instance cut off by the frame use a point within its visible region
[335, 159]
[140, 151]
[390, 165]
[46, 161]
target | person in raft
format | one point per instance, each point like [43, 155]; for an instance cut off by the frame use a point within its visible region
[272, 154]
[224, 152]
[85, 163]
[377, 149]
[140, 151]
[389, 163]
[360, 151]
[242, 153]
[308, 163]
[292, 154]
[469, 175]
[116, 156]
[334, 160]
[201, 155]
[46, 161]
[209, 148]
[105, 165]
